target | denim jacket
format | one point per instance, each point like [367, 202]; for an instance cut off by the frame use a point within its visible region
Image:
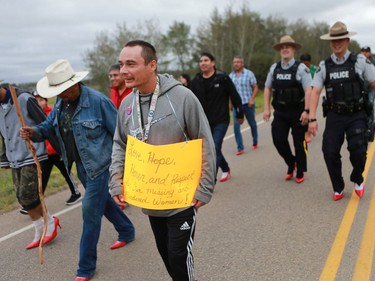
[94, 123]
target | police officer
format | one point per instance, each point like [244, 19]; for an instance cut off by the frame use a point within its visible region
[343, 74]
[289, 84]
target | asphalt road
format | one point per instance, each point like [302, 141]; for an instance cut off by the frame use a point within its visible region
[257, 227]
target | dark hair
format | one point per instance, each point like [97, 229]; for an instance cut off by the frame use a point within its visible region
[188, 79]
[207, 54]
[238, 57]
[148, 51]
[305, 57]
[115, 67]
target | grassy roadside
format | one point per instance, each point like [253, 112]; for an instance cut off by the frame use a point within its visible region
[259, 105]
[56, 182]
[8, 200]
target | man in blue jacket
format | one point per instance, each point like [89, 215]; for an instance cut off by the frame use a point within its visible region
[84, 121]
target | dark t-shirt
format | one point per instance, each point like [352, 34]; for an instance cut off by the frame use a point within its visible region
[66, 131]
[207, 83]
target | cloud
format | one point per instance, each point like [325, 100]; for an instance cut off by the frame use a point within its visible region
[36, 33]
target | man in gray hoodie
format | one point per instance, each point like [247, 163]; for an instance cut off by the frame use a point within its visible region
[161, 111]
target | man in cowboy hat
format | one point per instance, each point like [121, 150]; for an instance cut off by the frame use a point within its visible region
[346, 107]
[289, 84]
[84, 121]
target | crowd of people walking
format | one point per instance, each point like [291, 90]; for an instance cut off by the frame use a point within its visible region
[87, 128]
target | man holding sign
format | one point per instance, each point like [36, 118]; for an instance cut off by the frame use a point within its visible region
[164, 147]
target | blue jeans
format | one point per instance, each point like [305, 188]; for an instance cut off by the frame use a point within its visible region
[96, 202]
[218, 133]
[249, 113]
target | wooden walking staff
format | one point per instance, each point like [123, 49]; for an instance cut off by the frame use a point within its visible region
[39, 170]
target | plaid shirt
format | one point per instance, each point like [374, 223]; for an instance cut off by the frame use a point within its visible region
[243, 84]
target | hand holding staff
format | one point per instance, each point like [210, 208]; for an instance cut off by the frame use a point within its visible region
[36, 160]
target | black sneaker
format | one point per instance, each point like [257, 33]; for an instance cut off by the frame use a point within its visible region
[74, 198]
[23, 211]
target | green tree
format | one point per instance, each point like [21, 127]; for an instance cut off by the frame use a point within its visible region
[233, 32]
[180, 44]
[107, 47]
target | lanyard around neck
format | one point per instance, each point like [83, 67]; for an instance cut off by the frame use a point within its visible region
[145, 132]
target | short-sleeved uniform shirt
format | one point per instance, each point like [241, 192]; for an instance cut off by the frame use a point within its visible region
[303, 75]
[363, 67]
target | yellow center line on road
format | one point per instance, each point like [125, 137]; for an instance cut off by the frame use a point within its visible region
[335, 255]
[363, 266]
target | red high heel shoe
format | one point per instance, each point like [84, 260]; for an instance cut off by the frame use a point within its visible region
[48, 239]
[300, 180]
[360, 192]
[33, 244]
[117, 245]
[338, 196]
[288, 176]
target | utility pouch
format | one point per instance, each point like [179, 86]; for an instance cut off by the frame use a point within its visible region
[325, 106]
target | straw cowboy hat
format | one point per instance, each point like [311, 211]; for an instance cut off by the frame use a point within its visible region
[287, 40]
[337, 31]
[59, 77]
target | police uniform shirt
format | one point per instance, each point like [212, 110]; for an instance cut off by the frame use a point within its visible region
[303, 75]
[363, 67]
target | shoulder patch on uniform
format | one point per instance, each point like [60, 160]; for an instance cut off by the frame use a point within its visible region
[317, 69]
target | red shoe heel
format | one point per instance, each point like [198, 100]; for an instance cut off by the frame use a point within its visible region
[48, 239]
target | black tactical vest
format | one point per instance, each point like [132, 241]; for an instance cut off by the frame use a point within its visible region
[343, 85]
[287, 92]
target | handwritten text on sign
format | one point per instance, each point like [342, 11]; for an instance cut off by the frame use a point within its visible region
[161, 177]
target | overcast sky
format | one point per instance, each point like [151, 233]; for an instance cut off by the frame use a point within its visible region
[35, 33]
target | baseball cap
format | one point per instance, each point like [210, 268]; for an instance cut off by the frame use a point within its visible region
[366, 49]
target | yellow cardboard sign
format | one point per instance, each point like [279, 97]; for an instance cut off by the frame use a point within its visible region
[161, 177]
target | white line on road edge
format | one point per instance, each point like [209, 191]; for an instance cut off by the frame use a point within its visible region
[243, 130]
[6, 237]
